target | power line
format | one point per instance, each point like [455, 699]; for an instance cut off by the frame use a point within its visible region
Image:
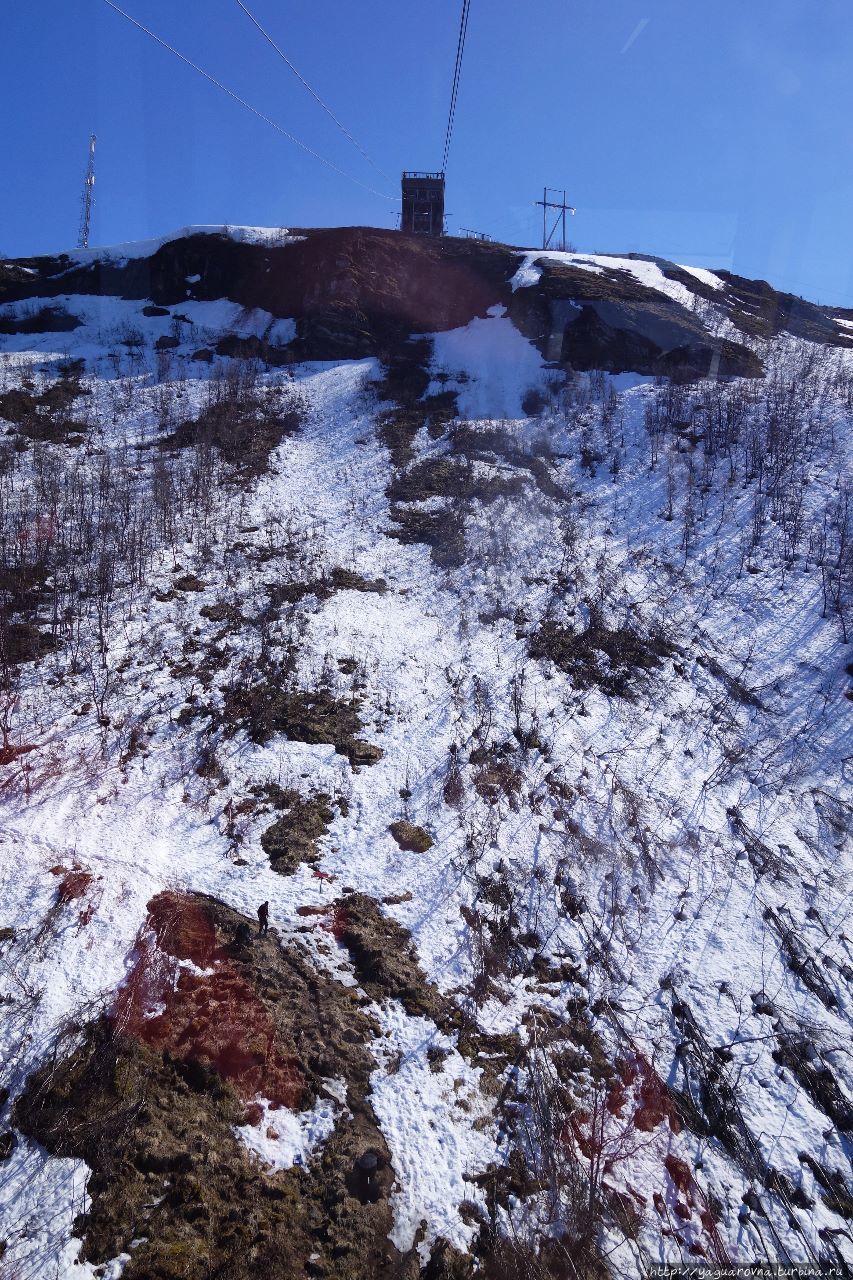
[248, 106]
[457, 71]
[311, 90]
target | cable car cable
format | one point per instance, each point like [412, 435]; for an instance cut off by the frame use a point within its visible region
[312, 91]
[248, 106]
[457, 71]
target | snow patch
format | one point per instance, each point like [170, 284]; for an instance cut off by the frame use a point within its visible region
[527, 274]
[40, 1197]
[283, 1138]
[706, 277]
[497, 362]
[646, 272]
[435, 1148]
[275, 237]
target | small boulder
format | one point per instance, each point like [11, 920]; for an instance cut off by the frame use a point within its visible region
[411, 838]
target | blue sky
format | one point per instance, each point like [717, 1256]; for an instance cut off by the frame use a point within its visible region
[712, 133]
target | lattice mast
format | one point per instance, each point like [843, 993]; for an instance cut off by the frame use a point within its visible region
[88, 198]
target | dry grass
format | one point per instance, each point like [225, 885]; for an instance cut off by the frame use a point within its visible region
[294, 838]
[150, 1101]
[610, 659]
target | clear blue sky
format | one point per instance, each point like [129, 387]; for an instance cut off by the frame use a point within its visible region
[715, 132]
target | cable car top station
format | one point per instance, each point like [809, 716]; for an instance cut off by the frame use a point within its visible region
[422, 192]
[423, 203]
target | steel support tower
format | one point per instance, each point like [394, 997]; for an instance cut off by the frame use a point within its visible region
[88, 198]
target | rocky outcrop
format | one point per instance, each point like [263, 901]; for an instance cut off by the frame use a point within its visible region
[358, 291]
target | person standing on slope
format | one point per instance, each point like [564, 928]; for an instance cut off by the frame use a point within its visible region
[263, 918]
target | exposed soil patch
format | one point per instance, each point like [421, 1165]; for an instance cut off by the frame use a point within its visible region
[481, 466]
[496, 773]
[269, 704]
[600, 657]
[223, 611]
[444, 477]
[23, 642]
[151, 1103]
[294, 838]
[45, 320]
[46, 415]
[386, 961]
[347, 580]
[22, 585]
[74, 884]
[242, 428]
[189, 582]
[492, 444]
[431, 478]
[443, 531]
[405, 380]
[324, 587]
[253, 348]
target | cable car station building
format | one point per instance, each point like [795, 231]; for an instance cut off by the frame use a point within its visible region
[423, 203]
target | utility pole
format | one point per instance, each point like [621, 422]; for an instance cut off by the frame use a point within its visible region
[88, 198]
[562, 208]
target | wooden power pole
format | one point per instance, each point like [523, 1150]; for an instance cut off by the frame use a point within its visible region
[562, 208]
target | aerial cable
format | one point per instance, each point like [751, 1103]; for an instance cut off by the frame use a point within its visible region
[311, 90]
[254, 110]
[463, 23]
[457, 71]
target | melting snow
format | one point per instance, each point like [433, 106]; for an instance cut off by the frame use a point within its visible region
[707, 277]
[700, 916]
[274, 236]
[497, 362]
[430, 1122]
[646, 272]
[283, 1138]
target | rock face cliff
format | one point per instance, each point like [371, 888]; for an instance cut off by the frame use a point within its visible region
[485, 613]
[357, 291]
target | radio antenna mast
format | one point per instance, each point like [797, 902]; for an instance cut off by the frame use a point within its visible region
[88, 198]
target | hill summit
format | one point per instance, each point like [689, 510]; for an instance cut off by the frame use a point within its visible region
[424, 759]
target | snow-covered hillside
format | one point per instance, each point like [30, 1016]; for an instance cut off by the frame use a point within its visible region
[514, 680]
